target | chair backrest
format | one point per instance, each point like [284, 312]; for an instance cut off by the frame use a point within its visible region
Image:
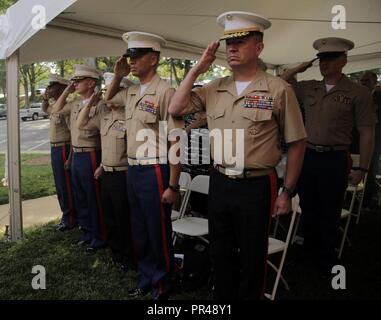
[185, 180]
[200, 184]
[278, 269]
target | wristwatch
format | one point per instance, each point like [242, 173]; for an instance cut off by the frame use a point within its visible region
[175, 187]
[289, 192]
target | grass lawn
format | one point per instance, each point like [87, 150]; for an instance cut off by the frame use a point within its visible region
[71, 273]
[36, 177]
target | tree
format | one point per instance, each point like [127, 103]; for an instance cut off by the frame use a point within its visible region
[5, 4]
[30, 76]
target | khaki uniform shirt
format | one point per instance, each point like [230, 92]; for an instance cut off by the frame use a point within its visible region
[83, 138]
[144, 112]
[267, 111]
[112, 126]
[330, 116]
[59, 126]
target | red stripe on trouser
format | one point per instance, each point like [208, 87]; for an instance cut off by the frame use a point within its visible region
[273, 195]
[160, 185]
[93, 158]
[68, 189]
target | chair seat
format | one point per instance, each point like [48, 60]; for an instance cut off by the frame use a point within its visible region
[191, 226]
[275, 245]
[344, 213]
[351, 188]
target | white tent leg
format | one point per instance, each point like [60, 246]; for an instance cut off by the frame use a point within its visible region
[13, 131]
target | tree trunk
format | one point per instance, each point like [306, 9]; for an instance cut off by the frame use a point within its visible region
[187, 67]
[32, 82]
[62, 68]
[173, 68]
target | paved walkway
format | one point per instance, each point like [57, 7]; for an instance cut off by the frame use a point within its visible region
[36, 211]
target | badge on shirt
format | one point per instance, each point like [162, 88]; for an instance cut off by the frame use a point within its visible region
[148, 107]
[341, 98]
[259, 102]
[119, 126]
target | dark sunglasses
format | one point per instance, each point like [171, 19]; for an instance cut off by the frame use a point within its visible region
[137, 52]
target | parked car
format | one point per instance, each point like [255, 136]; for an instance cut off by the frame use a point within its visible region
[3, 111]
[34, 112]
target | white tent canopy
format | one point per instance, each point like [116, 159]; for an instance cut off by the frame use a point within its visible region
[91, 28]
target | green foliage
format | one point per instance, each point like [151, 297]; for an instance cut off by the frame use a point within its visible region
[5, 4]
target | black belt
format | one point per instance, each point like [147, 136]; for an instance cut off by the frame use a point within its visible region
[321, 148]
[245, 173]
[85, 149]
[59, 144]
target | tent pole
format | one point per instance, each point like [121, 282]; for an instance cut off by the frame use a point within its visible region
[13, 131]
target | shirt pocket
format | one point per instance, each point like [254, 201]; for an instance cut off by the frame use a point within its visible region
[258, 119]
[215, 117]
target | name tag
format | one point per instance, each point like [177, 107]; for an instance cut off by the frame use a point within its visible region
[259, 102]
[148, 106]
[342, 99]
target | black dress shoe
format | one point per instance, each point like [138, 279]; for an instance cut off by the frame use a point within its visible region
[81, 243]
[137, 292]
[61, 227]
[124, 267]
[94, 249]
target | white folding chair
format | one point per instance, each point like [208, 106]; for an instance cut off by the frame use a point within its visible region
[346, 214]
[277, 245]
[359, 189]
[184, 182]
[193, 226]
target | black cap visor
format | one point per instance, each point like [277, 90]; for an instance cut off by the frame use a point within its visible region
[137, 52]
[329, 55]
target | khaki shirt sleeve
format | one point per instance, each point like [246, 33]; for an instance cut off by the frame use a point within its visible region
[172, 122]
[364, 112]
[120, 99]
[66, 109]
[291, 121]
[197, 101]
[95, 116]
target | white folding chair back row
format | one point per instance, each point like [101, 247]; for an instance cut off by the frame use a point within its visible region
[184, 182]
[359, 189]
[276, 245]
[193, 226]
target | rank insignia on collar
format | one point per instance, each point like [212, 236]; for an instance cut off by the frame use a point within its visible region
[342, 99]
[259, 102]
[148, 107]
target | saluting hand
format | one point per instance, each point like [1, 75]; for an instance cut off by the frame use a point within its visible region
[95, 98]
[305, 65]
[207, 58]
[70, 88]
[121, 68]
[282, 205]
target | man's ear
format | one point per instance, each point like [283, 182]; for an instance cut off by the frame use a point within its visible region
[91, 83]
[259, 48]
[154, 59]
